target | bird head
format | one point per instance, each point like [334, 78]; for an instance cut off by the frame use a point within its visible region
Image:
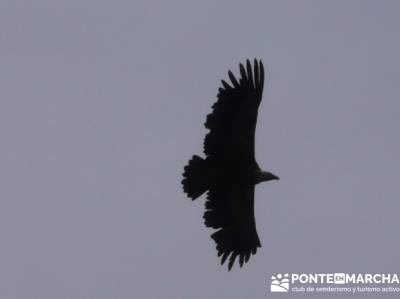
[267, 176]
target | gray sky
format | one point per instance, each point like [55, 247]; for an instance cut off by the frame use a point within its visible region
[103, 102]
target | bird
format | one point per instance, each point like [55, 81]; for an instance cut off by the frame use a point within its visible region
[229, 171]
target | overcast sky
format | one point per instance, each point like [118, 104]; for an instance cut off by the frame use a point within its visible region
[103, 102]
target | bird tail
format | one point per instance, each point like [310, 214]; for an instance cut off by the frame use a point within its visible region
[195, 177]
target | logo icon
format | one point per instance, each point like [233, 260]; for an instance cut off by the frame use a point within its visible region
[280, 283]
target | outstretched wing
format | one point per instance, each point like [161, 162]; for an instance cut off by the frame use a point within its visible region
[232, 122]
[230, 209]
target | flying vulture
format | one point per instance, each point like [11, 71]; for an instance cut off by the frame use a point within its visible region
[229, 171]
